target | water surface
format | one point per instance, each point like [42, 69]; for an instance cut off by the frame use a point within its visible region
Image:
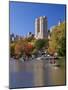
[34, 73]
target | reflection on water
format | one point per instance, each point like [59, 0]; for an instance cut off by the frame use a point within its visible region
[35, 73]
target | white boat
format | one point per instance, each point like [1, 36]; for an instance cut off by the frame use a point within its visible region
[21, 59]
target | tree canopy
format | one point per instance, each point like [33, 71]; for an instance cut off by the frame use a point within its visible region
[40, 43]
[57, 40]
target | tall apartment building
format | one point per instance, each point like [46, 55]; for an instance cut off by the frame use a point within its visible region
[41, 30]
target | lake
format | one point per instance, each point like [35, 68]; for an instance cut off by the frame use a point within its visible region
[34, 73]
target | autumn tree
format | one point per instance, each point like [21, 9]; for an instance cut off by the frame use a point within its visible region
[12, 51]
[27, 49]
[18, 49]
[57, 40]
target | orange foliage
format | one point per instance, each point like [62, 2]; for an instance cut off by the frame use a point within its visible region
[18, 48]
[27, 49]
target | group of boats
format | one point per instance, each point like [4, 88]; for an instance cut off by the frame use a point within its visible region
[51, 59]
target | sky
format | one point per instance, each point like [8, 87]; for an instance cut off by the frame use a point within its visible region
[22, 16]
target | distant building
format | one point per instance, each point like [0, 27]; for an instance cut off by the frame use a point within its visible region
[12, 37]
[49, 34]
[17, 38]
[51, 28]
[59, 22]
[30, 34]
[41, 29]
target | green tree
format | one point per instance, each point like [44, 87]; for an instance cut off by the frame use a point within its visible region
[12, 51]
[62, 49]
[57, 40]
[40, 43]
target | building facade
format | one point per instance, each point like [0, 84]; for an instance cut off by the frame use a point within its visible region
[41, 27]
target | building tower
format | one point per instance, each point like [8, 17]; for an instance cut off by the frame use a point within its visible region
[59, 22]
[41, 30]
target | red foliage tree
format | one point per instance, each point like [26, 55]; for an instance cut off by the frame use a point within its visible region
[27, 49]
